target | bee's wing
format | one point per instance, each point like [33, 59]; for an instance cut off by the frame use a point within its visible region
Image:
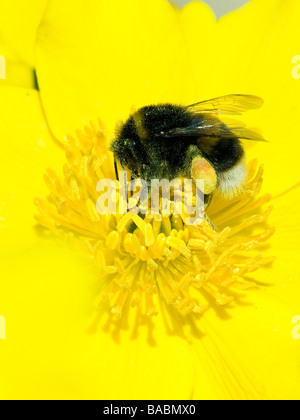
[224, 129]
[241, 131]
[230, 104]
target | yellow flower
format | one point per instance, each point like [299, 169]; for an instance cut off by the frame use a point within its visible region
[98, 59]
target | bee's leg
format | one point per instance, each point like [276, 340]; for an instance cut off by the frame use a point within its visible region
[199, 168]
[207, 201]
[191, 153]
[207, 219]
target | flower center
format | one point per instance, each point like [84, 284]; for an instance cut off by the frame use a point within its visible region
[142, 260]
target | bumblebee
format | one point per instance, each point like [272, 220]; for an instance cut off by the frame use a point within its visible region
[171, 141]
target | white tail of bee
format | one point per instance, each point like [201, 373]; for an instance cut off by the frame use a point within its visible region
[230, 182]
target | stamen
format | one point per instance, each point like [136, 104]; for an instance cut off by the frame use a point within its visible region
[143, 259]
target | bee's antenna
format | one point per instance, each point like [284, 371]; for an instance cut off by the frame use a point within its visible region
[116, 169]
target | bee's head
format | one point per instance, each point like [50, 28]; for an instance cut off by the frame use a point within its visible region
[124, 153]
[128, 147]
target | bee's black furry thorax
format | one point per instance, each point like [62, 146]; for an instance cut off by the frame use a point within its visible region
[144, 147]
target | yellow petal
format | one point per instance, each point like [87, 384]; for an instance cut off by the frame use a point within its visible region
[100, 58]
[43, 292]
[250, 350]
[14, 72]
[41, 279]
[140, 360]
[18, 25]
[45, 287]
[250, 51]
[285, 244]
[199, 29]
[27, 149]
[249, 347]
